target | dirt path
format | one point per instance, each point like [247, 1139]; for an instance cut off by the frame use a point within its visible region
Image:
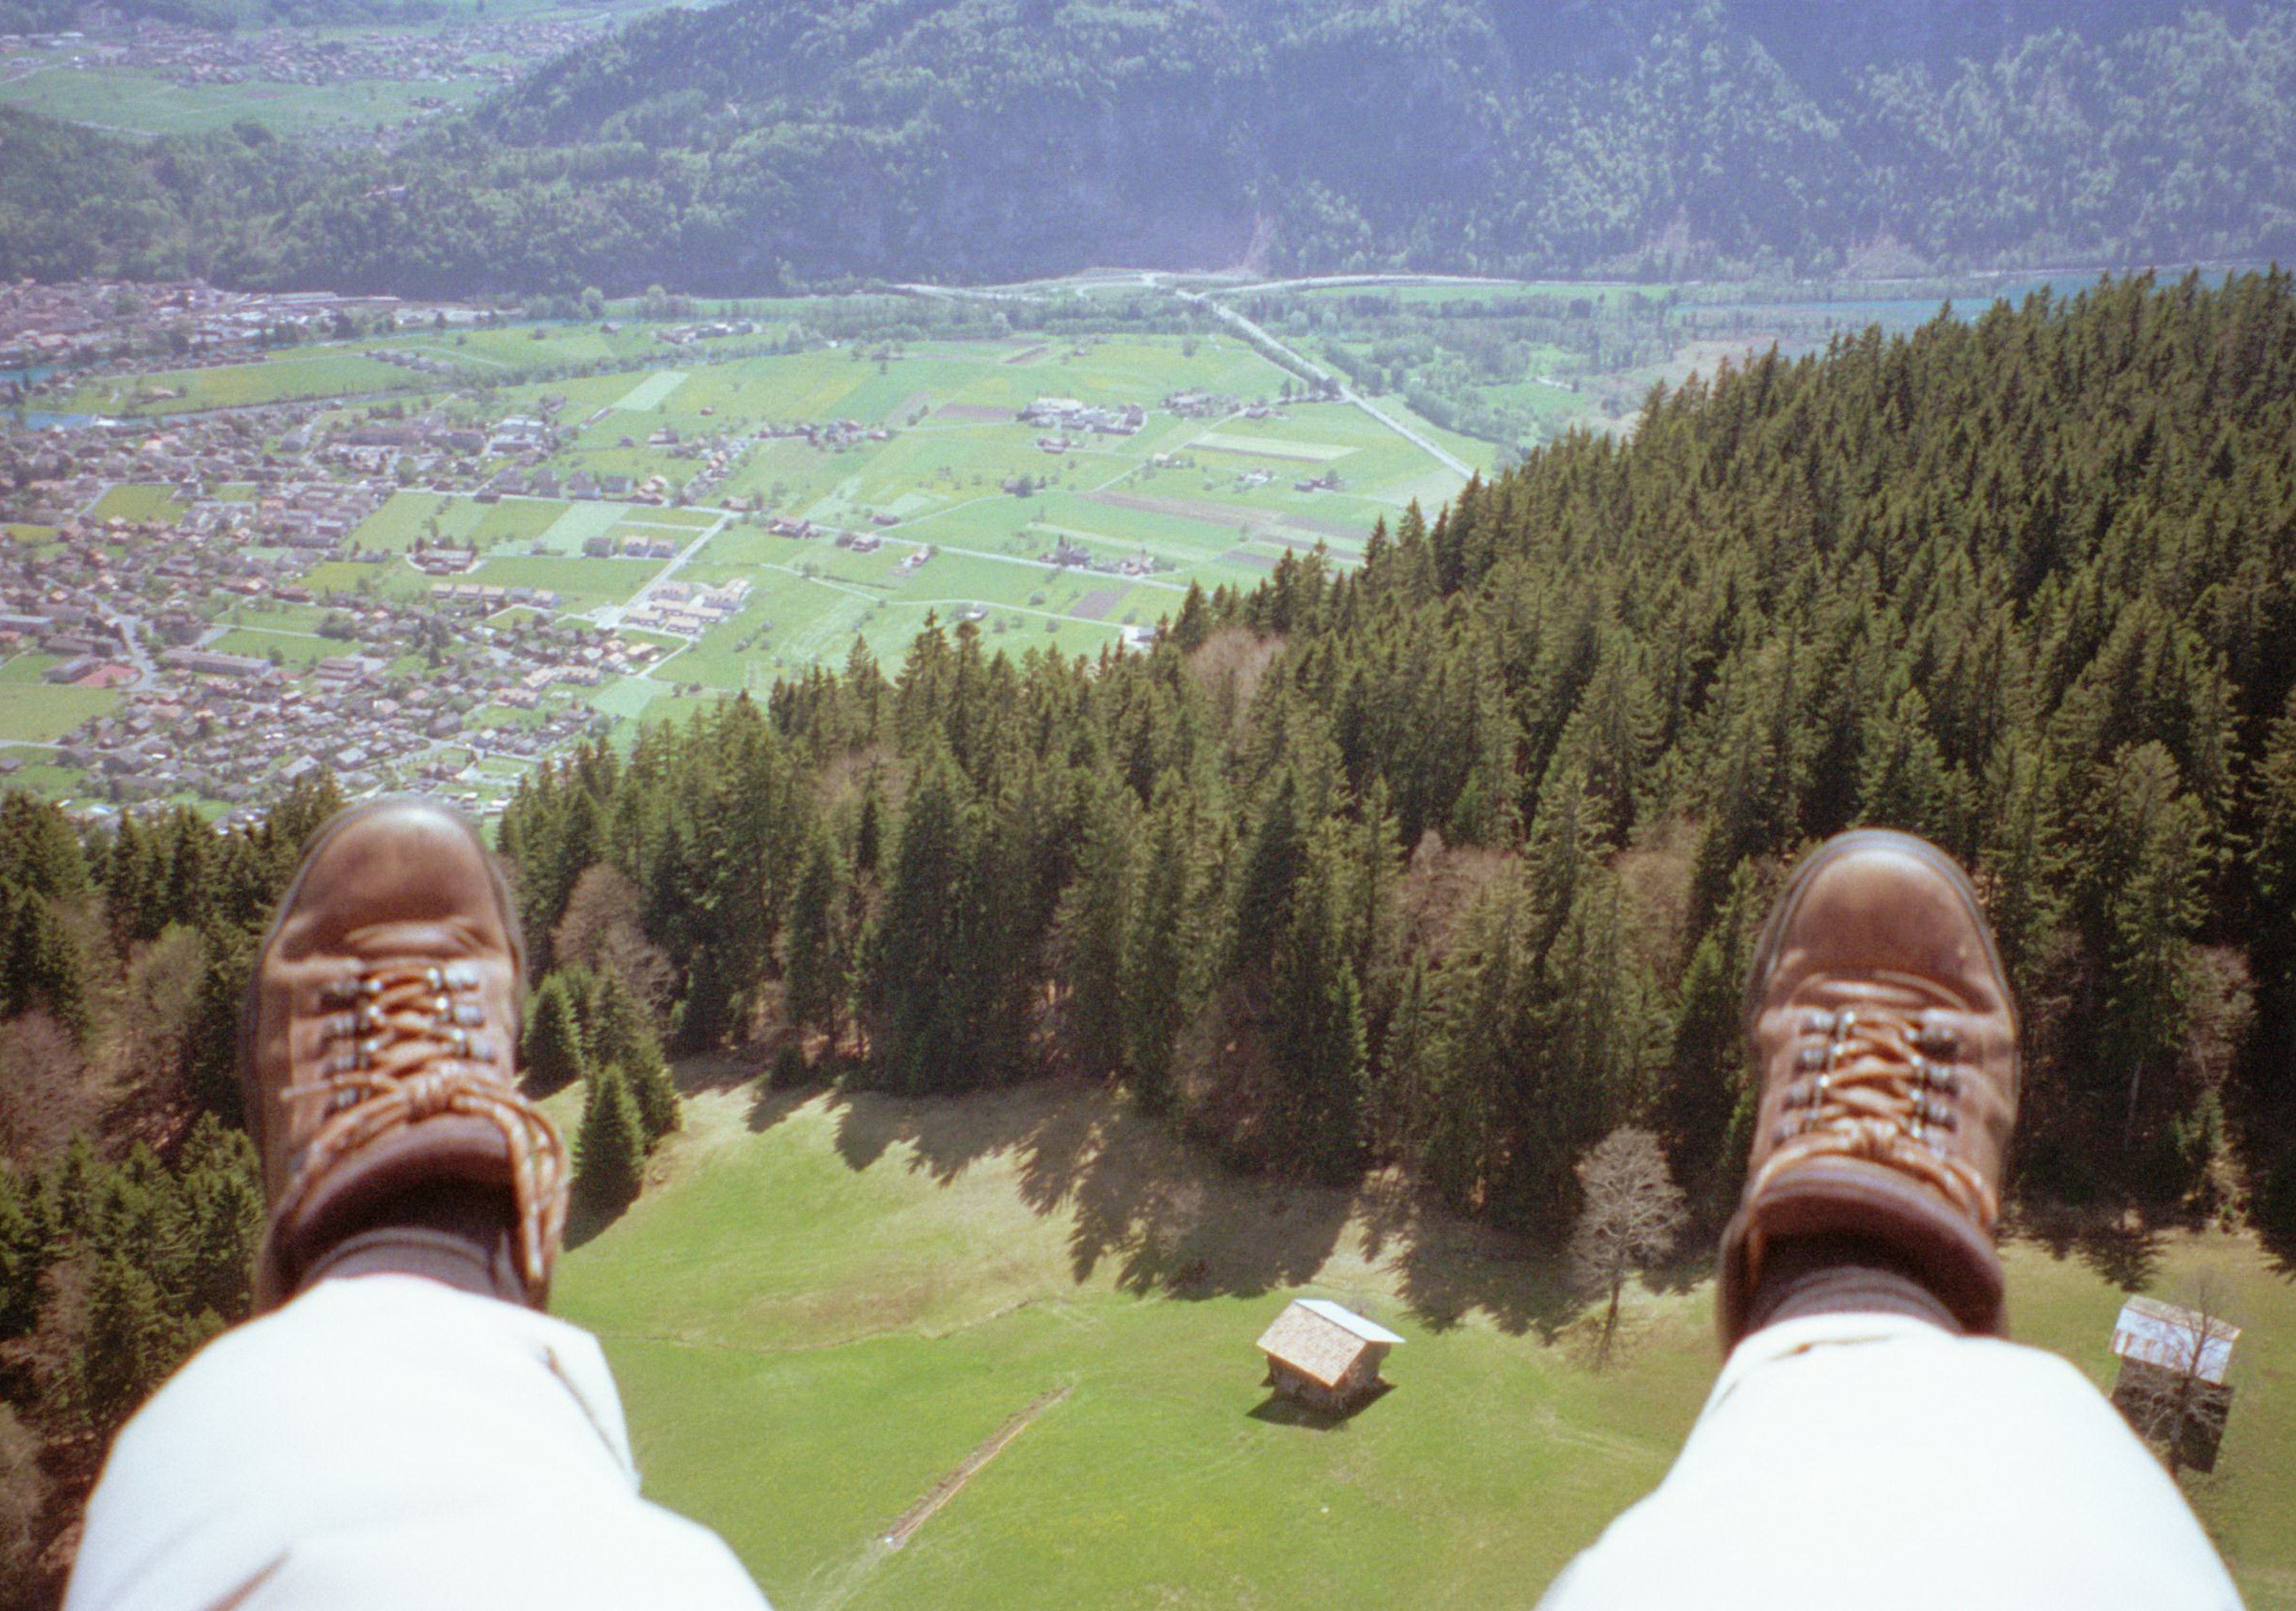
[950, 1486]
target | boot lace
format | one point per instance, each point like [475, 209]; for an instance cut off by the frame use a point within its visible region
[1880, 1084]
[409, 1042]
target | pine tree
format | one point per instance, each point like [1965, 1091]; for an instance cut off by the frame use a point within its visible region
[2143, 898]
[915, 978]
[1091, 926]
[817, 952]
[1315, 1027]
[1161, 961]
[624, 1037]
[46, 967]
[609, 1149]
[25, 1253]
[130, 1343]
[1902, 780]
[211, 1048]
[551, 1052]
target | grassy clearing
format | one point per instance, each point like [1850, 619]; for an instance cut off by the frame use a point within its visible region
[145, 102]
[581, 584]
[42, 712]
[821, 1306]
[136, 502]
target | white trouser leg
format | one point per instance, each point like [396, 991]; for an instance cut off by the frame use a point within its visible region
[1875, 1461]
[389, 1441]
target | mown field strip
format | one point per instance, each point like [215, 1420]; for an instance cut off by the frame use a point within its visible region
[949, 1487]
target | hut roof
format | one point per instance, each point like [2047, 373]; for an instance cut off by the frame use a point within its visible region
[2174, 1337]
[1321, 1340]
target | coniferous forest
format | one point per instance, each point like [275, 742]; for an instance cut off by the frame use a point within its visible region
[1450, 863]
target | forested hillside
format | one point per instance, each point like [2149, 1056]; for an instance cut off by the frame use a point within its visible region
[740, 148]
[1454, 862]
[1450, 863]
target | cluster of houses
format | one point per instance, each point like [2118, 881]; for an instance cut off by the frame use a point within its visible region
[235, 728]
[1066, 415]
[1076, 557]
[88, 323]
[496, 51]
[1200, 405]
[688, 608]
[257, 500]
[686, 335]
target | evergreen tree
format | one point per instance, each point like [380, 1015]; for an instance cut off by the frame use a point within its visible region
[131, 1343]
[2141, 898]
[1316, 1029]
[1162, 961]
[817, 948]
[25, 1253]
[609, 1149]
[1092, 925]
[46, 967]
[624, 1037]
[551, 1052]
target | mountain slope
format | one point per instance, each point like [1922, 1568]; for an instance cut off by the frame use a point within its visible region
[740, 148]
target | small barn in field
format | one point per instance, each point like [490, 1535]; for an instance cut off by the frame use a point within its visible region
[2172, 1386]
[1324, 1355]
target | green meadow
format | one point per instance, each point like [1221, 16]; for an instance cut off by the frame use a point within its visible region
[823, 1303]
[36, 712]
[148, 102]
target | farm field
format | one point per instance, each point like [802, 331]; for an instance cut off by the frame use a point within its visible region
[823, 1303]
[744, 505]
[933, 462]
[147, 102]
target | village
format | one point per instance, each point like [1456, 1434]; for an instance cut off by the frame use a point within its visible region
[437, 586]
[457, 58]
[96, 326]
[135, 604]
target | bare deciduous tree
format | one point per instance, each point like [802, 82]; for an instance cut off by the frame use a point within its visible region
[1634, 1211]
[603, 929]
[45, 1092]
[2173, 1391]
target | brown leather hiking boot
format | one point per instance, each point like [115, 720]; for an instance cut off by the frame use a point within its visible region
[378, 1043]
[1884, 1051]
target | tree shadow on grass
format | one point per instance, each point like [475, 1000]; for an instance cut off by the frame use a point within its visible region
[2120, 1245]
[1451, 1267]
[767, 1108]
[1173, 1217]
[586, 1219]
[716, 1070]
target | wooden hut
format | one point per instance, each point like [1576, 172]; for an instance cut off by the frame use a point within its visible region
[2172, 1386]
[1324, 1355]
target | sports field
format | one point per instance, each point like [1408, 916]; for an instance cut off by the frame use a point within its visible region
[821, 1306]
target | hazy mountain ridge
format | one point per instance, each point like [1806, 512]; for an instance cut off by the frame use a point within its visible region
[761, 142]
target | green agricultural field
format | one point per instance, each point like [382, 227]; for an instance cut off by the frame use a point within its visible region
[581, 584]
[136, 502]
[821, 1306]
[294, 650]
[145, 102]
[406, 517]
[28, 667]
[301, 372]
[42, 712]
